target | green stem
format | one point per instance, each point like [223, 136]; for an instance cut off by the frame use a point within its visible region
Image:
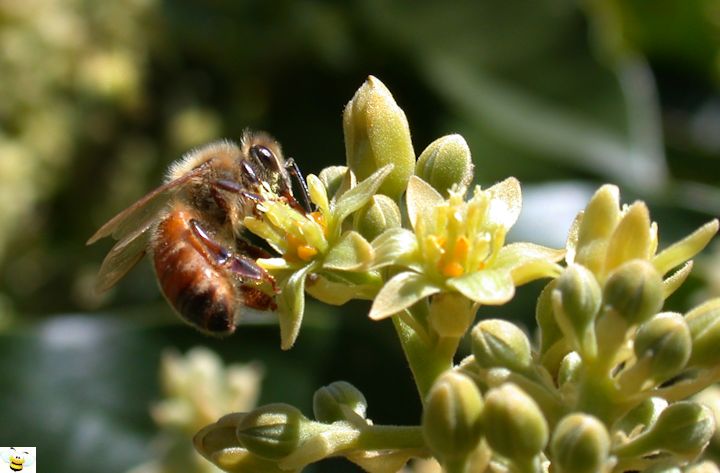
[427, 361]
[683, 389]
[390, 437]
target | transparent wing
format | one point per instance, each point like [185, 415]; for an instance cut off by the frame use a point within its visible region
[29, 459]
[122, 258]
[5, 455]
[141, 214]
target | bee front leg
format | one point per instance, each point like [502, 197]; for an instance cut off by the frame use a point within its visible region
[238, 264]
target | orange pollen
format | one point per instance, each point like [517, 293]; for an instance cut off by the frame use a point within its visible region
[461, 248]
[306, 252]
[319, 218]
[452, 269]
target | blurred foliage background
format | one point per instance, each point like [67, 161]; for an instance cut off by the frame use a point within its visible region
[98, 97]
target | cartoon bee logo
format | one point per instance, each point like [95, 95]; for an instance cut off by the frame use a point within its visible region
[17, 459]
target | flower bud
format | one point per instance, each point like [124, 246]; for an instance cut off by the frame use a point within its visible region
[272, 431]
[518, 429]
[684, 429]
[376, 134]
[634, 290]
[665, 342]
[452, 418]
[338, 401]
[550, 331]
[569, 369]
[451, 314]
[498, 343]
[576, 300]
[378, 215]
[580, 444]
[704, 324]
[444, 163]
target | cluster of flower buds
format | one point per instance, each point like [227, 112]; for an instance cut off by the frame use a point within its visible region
[605, 390]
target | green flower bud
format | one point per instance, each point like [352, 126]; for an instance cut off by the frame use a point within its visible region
[451, 314]
[498, 343]
[338, 401]
[378, 215]
[570, 369]
[444, 163]
[550, 332]
[710, 397]
[376, 134]
[665, 467]
[664, 341]
[580, 444]
[273, 431]
[634, 290]
[576, 300]
[452, 418]
[517, 429]
[684, 429]
[704, 324]
[642, 415]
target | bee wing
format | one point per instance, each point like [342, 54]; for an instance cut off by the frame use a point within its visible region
[141, 214]
[29, 459]
[5, 455]
[122, 257]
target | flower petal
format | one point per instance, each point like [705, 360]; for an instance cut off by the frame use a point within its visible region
[516, 254]
[399, 293]
[686, 248]
[489, 286]
[394, 246]
[420, 197]
[351, 253]
[506, 202]
[676, 279]
[291, 305]
[318, 194]
[359, 195]
[631, 238]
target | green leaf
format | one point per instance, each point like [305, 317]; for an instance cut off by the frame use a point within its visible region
[351, 253]
[399, 293]
[358, 196]
[421, 197]
[291, 305]
[489, 286]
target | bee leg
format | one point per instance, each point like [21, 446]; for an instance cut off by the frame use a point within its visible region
[240, 265]
[253, 251]
[295, 173]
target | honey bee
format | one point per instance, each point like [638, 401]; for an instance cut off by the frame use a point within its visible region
[192, 229]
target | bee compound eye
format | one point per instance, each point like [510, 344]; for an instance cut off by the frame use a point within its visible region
[263, 155]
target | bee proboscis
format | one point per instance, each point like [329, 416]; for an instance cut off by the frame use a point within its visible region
[192, 228]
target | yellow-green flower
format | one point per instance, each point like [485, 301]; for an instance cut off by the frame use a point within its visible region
[459, 246]
[605, 235]
[315, 243]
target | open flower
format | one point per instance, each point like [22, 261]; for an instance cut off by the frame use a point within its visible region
[315, 243]
[459, 246]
